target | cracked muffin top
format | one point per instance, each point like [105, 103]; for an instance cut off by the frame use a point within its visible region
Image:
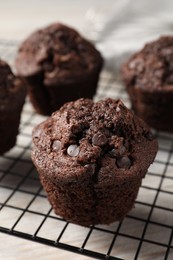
[103, 140]
[59, 53]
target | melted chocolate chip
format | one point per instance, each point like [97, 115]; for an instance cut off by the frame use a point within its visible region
[99, 139]
[56, 146]
[73, 150]
[124, 162]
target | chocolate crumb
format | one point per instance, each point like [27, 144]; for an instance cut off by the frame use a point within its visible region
[118, 109]
[99, 139]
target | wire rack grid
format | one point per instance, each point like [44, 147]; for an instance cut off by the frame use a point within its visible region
[146, 232]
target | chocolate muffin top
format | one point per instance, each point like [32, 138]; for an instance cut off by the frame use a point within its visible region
[59, 53]
[152, 67]
[103, 139]
[12, 89]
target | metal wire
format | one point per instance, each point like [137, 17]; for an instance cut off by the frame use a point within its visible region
[148, 228]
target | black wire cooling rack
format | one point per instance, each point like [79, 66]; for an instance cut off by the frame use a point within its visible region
[147, 231]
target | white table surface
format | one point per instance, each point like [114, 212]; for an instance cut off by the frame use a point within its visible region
[13, 248]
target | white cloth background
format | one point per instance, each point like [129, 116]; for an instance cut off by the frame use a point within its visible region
[124, 27]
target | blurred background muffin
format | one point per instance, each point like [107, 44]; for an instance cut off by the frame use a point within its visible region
[58, 65]
[12, 97]
[148, 76]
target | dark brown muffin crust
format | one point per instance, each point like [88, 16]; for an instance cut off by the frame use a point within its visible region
[91, 158]
[57, 62]
[148, 76]
[12, 96]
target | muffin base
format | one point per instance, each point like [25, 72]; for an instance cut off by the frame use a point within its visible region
[8, 130]
[154, 107]
[47, 99]
[88, 203]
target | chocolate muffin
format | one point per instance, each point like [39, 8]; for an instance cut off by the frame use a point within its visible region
[12, 97]
[58, 66]
[148, 76]
[91, 158]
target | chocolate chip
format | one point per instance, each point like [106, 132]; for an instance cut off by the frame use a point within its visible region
[117, 152]
[149, 136]
[90, 168]
[56, 146]
[112, 153]
[137, 64]
[73, 150]
[124, 162]
[99, 139]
